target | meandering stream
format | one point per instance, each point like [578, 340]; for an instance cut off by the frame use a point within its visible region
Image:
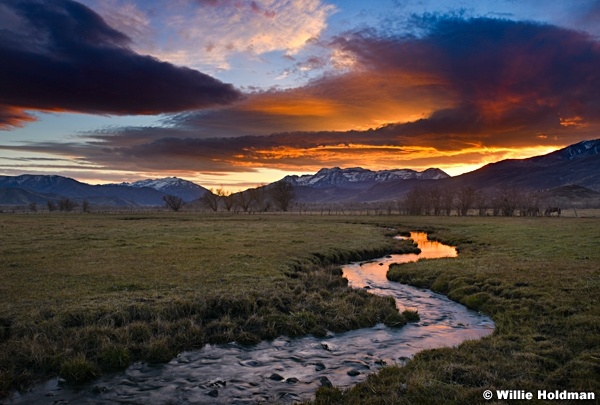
[287, 370]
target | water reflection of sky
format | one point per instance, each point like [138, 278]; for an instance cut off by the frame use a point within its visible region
[376, 270]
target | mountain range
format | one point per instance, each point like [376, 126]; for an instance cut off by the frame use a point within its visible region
[572, 171]
[187, 190]
[578, 164]
[358, 178]
[39, 189]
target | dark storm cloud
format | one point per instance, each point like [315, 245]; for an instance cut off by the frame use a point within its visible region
[492, 84]
[487, 76]
[58, 55]
[503, 74]
[512, 84]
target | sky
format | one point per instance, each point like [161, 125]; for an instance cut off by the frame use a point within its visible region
[237, 93]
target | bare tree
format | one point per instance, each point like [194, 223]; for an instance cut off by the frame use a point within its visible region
[260, 198]
[32, 206]
[51, 206]
[465, 198]
[228, 200]
[529, 205]
[447, 200]
[282, 194]
[389, 207]
[85, 206]
[481, 200]
[174, 202]
[415, 201]
[66, 204]
[243, 200]
[434, 195]
[505, 202]
[210, 199]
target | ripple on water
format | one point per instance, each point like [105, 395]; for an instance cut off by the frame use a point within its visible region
[289, 370]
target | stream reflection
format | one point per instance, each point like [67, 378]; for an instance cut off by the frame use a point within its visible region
[373, 272]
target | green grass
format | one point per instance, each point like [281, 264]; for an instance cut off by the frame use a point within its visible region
[539, 279]
[81, 294]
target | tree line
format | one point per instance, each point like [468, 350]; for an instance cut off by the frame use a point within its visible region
[427, 199]
[276, 196]
[438, 200]
[63, 205]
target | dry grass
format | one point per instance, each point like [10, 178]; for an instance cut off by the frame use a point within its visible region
[81, 294]
[539, 279]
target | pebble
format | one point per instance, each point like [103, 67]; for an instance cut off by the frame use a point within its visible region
[325, 382]
[276, 377]
[99, 389]
[217, 383]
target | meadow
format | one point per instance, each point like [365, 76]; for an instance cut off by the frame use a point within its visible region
[539, 280]
[85, 294]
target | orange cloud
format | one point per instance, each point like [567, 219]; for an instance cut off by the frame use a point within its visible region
[469, 93]
[355, 100]
[12, 116]
[575, 121]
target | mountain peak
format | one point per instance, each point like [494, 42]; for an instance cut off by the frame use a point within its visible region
[353, 176]
[579, 150]
[171, 185]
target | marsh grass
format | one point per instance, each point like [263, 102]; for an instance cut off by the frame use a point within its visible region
[539, 279]
[85, 294]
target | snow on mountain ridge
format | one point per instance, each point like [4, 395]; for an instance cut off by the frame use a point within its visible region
[337, 176]
[583, 148]
[159, 184]
[171, 185]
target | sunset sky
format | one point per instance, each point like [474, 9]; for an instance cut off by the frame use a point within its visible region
[236, 93]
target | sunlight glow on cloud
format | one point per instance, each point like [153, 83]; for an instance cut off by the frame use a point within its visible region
[384, 157]
[463, 93]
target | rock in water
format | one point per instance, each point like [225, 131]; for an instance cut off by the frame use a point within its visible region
[325, 382]
[275, 377]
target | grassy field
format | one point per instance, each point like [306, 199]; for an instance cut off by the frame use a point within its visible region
[82, 294]
[539, 279]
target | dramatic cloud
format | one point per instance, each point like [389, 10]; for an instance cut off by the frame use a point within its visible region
[503, 75]
[470, 82]
[465, 92]
[58, 55]
[213, 35]
[216, 30]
